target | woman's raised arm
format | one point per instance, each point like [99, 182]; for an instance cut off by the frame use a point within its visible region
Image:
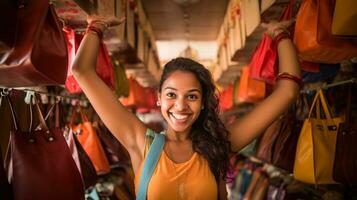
[125, 126]
[247, 128]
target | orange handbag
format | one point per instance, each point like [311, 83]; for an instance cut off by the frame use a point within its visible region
[90, 142]
[313, 37]
[249, 90]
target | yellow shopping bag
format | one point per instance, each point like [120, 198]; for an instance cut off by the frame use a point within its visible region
[315, 152]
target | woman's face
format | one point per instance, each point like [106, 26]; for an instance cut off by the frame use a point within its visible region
[181, 100]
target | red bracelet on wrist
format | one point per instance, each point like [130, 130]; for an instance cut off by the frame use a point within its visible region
[289, 76]
[280, 36]
[96, 30]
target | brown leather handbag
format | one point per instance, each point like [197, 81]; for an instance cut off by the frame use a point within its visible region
[267, 140]
[345, 163]
[42, 165]
[39, 54]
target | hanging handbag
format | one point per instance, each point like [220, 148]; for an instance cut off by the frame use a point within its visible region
[249, 90]
[313, 37]
[7, 35]
[315, 150]
[226, 98]
[344, 18]
[121, 80]
[80, 157]
[267, 141]
[39, 54]
[345, 164]
[4, 184]
[263, 64]
[90, 142]
[89, 174]
[42, 165]
[104, 66]
[283, 155]
[116, 153]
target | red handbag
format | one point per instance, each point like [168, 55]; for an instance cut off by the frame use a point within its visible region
[263, 64]
[39, 54]
[226, 98]
[42, 165]
[139, 96]
[104, 66]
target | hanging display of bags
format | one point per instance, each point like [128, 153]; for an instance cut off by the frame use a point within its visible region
[344, 18]
[315, 150]
[249, 90]
[42, 165]
[345, 164]
[39, 54]
[104, 67]
[313, 37]
[90, 142]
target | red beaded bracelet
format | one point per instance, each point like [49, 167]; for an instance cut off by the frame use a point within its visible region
[289, 76]
[96, 30]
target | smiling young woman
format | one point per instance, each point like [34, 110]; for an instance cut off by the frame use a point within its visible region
[197, 147]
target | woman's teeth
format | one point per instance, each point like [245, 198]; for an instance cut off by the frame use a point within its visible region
[179, 116]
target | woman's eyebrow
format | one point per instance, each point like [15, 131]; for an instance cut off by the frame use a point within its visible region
[192, 90]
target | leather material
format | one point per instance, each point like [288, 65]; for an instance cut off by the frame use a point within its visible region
[315, 151]
[39, 55]
[90, 142]
[313, 37]
[104, 67]
[43, 168]
[345, 164]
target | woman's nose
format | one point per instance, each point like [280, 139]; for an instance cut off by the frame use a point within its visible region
[180, 104]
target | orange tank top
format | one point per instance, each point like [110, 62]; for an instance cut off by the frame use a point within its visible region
[189, 180]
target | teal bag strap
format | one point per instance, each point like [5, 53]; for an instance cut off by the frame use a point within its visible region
[149, 165]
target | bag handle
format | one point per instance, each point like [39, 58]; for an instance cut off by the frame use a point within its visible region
[150, 164]
[13, 114]
[348, 108]
[319, 97]
[74, 115]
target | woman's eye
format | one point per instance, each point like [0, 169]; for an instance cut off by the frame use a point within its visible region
[192, 97]
[170, 94]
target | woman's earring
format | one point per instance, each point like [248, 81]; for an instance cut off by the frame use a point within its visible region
[202, 107]
[158, 103]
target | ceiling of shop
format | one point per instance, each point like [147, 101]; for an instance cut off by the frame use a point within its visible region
[185, 19]
[201, 20]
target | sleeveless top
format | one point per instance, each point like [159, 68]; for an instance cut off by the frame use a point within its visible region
[190, 180]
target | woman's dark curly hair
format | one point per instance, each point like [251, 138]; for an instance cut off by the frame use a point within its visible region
[208, 134]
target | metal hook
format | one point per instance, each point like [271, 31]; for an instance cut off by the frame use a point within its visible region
[5, 91]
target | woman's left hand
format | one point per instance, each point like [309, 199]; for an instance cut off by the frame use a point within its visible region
[105, 20]
[273, 27]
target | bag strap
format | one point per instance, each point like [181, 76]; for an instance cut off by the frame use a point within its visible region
[150, 164]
